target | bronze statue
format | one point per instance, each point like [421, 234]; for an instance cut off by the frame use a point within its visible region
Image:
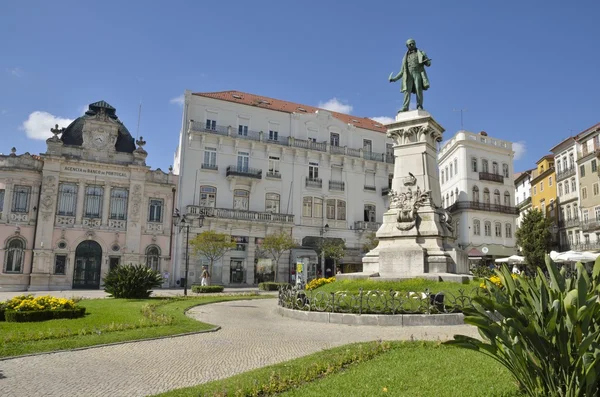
[413, 74]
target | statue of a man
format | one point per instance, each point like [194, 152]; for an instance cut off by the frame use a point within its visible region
[413, 74]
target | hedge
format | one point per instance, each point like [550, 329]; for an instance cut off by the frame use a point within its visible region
[2, 312]
[271, 286]
[204, 289]
[43, 315]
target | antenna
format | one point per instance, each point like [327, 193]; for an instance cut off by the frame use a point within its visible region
[137, 132]
[461, 116]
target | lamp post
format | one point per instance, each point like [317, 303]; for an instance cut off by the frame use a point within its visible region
[322, 232]
[182, 223]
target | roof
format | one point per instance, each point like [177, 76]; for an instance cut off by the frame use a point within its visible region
[546, 157]
[587, 131]
[289, 107]
[523, 174]
[563, 141]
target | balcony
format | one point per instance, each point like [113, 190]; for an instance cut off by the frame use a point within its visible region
[314, 182]
[247, 172]
[385, 191]
[574, 222]
[565, 174]
[590, 226]
[206, 166]
[274, 174]
[488, 176]
[337, 185]
[364, 225]
[595, 246]
[475, 205]
[260, 136]
[372, 188]
[524, 203]
[250, 216]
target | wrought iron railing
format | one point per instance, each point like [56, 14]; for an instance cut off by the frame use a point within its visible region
[369, 187]
[488, 176]
[475, 205]
[234, 170]
[385, 191]
[337, 185]
[227, 213]
[274, 174]
[364, 225]
[207, 166]
[314, 182]
[565, 173]
[590, 225]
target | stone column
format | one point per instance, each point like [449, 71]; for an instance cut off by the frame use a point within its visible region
[106, 204]
[80, 202]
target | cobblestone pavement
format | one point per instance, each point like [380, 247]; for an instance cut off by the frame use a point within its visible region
[252, 336]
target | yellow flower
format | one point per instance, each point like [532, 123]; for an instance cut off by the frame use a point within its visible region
[384, 390]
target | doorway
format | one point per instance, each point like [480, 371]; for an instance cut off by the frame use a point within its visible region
[237, 273]
[88, 261]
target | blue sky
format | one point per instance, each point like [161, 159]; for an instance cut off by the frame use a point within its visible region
[526, 71]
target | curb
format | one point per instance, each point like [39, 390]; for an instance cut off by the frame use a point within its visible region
[397, 320]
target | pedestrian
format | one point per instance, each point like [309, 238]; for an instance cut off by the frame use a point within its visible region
[205, 276]
[515, 269]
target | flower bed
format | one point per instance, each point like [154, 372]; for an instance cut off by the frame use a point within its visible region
[317, 282]
[25, 308]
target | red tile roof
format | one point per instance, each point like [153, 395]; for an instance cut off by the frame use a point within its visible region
[289, 107]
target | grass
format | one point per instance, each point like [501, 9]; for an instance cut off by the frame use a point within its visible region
[412, 285]
[404, 369]
[107, 321]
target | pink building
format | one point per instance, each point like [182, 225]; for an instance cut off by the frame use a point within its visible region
[88, 203]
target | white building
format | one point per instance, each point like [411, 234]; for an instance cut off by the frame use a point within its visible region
[477, 185]
[255, 165]
[523, 193]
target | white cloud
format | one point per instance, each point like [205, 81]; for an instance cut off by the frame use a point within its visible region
[17, 72]
[38, 124]
[178, 100]
[336, 106]
[383, 119]
[520, 148]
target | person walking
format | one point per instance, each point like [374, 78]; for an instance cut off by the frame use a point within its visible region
[205, 276]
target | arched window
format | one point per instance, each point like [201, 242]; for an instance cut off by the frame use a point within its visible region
[498, 229]
[560, 191]
[15, 254]
[568, 210]
[486, 196]
[442, 176]
[447, 199]
[241, 199]
[507, 199]
[475, 194]
[505, 170]
[307, 207]
[456, 166]
[476, 227]
[369, 213]
[576, 213]
[451, 173]
[573, 185]
[497, 197]
[495, 168]
[451, 197]
[447, 174]
[567, 187]
[508, 230]
[153, 257]
[488, 228]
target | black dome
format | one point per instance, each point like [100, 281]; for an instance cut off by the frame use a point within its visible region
[73, 134]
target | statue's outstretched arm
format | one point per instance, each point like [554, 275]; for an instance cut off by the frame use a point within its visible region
[396, 77]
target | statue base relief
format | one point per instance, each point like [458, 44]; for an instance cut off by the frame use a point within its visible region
[416, 238]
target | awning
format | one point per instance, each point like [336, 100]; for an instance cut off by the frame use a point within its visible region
[474, 252]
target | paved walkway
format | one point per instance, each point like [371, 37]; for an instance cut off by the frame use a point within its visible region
[252, 336]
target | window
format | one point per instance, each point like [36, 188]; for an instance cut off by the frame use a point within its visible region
[543, 203]
[455, 166]
[442, 176]
[317, 207]
[21, 199]
[508, 230]
[450, 175]
[118, 203]
[498, 229]
[476, 227]
[560, 191]
[573, 185]
[274, 165]
[505, 170]
[597, 213]
[456, 194]
[582, 170]
[488, 228]
[367, 145]
[443, 201]
[243, 130]
[210, 157]
[67, 199]
[93, 201]
[575, 211]
[341, 210]
[583, 193]
[156, 210]
[535, 190]
[60, 264]
[587, 238]
[241, 199]
[595, 187]
[475, 194]
[272, 203]
[541, 186]
[273, 135]
[451, 197]
[586, 216]
[334, 139]
[558, 167]
[243, 158]
[2, 200]
[474, 164]
[567, 187]
[486, 195]
[307, 207]
[507, 199]
[330, 209]
[568, 208]
[153, 257]
[571, 160]
[241, 242]
[208, 196]
[549, 181]
[369, 213]
[496, 197]
[594, 166]
[495, 168]
[484, 166]
[211, 124]
[313, 170]
[447, 174]
[14, 256]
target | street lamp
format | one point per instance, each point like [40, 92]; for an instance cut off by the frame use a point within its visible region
[182, 223]
[322, 232]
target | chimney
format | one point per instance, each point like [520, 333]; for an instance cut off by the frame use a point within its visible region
[483, 133]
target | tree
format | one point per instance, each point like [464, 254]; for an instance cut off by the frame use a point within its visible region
[276, 244]
[534, 237]
[212, 245]
[333, 249]
[371, 243]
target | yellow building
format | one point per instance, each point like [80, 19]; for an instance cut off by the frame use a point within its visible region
[543, 187]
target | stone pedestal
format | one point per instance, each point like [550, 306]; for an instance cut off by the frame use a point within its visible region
[416, 238]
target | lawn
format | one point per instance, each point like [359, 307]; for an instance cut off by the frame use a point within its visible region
[412, 285]
[107, 321]
[402, 369]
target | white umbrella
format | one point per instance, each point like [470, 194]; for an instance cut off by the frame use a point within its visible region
[511, 259]
[573, 256]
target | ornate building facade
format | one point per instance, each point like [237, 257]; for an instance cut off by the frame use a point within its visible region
[87, 204]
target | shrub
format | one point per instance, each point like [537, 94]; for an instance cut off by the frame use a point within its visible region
[42, 315]
[317, 282]
[482, 271]
[131, 281]
[545, 332]
[205, 289]
[28, 303]
[2, 309]
[271, 286]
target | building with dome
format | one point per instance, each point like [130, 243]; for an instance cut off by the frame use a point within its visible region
[87, 204]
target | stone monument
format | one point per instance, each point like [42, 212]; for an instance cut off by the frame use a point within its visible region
[416, 236]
